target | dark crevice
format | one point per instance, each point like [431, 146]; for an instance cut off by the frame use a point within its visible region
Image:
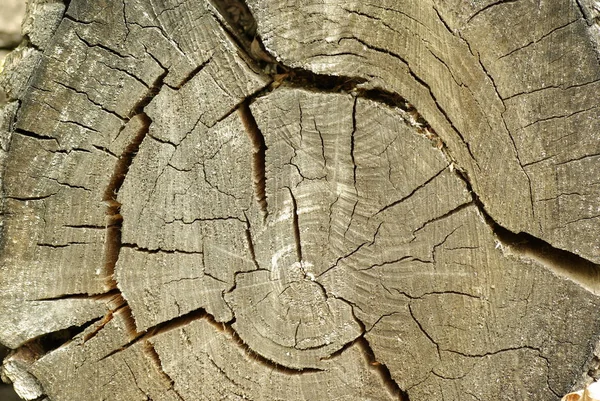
[69, 17]
[355, 250]
[595, 155]
[407, 259]
[92, 101]
[562, 262]
[191, 75]
[563, 116]
[107, 318]
[352, 140]
[158, 250]
[381, 369]
[201, 219]
[296, 226]
[80, 125]
[42, 345]
[253, 356]
[114, 221]
[443, 21]
[28, 198]
[84, 226]
[238, 16]
[450, 213]
[138, 108]
[307, 80]
[236, 20]
[184, 320]
[36, 136]
[346, 256]
[103, 296]
[57, 246]
[104, 149]
[151, 352]
[363, 344]
[499, 351]
[584, 13]
[250, 242]
[259, 150]
[124, 71]
[65, 184]
[550, 87]
[392, 100]
[52, 341]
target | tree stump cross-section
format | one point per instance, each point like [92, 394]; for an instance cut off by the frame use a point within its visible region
[298, 200]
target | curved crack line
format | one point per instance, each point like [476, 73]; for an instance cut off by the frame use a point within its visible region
[124, 165]
[259, 150]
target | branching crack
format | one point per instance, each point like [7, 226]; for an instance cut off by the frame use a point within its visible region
[151, 352]
[425, 333]
[404, 198]
[442, 217]
[564, 263]
[533, 42]
[363, 344]
[575, 267]
[114, 218]
[381, 369]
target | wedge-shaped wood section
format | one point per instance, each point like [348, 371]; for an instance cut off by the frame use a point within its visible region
[337, 200]
[510, 86]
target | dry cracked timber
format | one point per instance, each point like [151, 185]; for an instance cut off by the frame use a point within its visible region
[303, 201]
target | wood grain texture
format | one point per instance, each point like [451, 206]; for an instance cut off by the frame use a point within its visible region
[337, 200]
[468, 69]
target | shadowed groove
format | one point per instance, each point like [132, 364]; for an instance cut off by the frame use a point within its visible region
[259, 149]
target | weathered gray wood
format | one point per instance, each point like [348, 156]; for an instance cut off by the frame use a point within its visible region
[386, 201]
[469, 68]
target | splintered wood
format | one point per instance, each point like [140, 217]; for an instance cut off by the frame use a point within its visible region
[328, 216]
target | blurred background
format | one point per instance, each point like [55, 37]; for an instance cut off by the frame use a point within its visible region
[6, 390]
[11, 15]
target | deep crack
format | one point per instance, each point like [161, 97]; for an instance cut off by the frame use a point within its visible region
[564, 262]
[259, 149]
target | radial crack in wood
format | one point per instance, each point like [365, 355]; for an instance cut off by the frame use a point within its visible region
[446, 60]
[378, 269]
